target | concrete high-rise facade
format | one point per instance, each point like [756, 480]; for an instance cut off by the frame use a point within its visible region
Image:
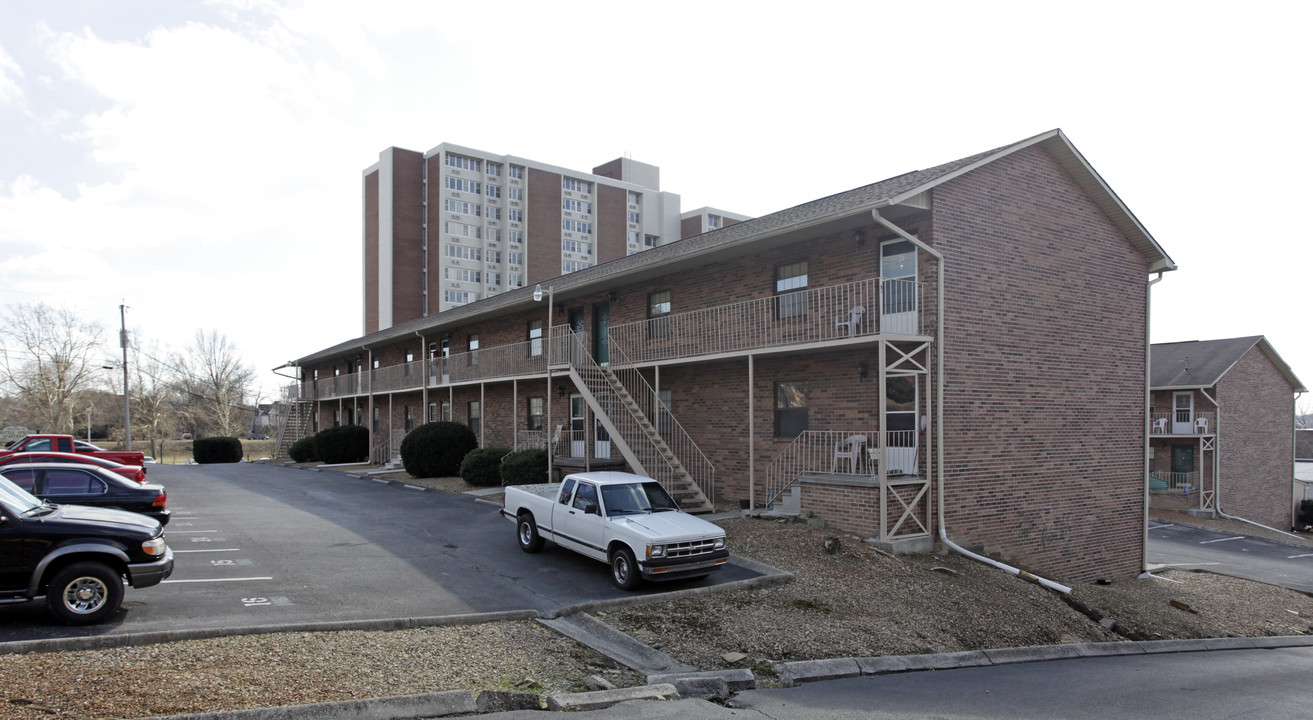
[453, 225]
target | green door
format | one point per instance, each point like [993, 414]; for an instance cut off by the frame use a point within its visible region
[1182, 465]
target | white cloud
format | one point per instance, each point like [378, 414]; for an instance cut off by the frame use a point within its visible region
[9, 74]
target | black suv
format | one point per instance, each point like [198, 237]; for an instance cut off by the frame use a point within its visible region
[76, 556]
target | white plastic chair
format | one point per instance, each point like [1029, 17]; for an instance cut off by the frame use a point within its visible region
[1201, 425]
[1160, 426]
[853, 322]
[849, 449]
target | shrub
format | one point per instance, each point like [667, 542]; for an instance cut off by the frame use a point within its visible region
[217, 450]
[526, 467]
[436, 449]
[482, 466]
[303, 450]
[344, 444]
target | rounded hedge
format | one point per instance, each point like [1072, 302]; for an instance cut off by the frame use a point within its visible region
[343, 444]
[217, 450]
[526, 467]
[482, 466]
[303, 450]
[436, 449]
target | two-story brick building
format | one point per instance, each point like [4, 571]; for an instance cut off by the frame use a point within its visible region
[1221, 416]
[959, 350]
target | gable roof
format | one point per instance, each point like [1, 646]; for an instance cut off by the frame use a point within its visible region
[1202, 363]
[844, 210]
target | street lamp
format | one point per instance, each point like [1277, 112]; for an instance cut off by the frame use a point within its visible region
[537, 297]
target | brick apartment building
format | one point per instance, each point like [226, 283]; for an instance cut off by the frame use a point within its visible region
[968, 341]
[1222, 437]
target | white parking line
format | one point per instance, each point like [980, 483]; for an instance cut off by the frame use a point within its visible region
[188, 532]
[217, 580]
[176, 552]
[1292, 557]
[1184, 564]
[1238, 537]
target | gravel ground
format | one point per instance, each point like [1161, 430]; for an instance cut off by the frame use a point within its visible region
[853, 602]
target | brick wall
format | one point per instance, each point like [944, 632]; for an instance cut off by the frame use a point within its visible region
[407, 235]
[1044, 371]
[371, 252]
[1255, 442]
[542, 242]
[611, 213]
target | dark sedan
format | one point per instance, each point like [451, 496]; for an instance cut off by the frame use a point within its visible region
[76, 484]
[131, 472]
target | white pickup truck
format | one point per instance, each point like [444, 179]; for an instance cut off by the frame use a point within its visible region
[628, 521]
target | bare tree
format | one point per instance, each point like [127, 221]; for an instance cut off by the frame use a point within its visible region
[50, 360]
[216, 385]
[154, 415]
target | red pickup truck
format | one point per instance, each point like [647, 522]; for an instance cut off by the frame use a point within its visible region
[66, 443]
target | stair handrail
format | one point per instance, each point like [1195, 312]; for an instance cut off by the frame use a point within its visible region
[689, 460]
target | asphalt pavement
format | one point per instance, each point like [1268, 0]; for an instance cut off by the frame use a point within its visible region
[1186, 547]
[265, 547]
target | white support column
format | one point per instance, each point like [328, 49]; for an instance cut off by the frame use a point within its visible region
[882, 464]
[752, 439]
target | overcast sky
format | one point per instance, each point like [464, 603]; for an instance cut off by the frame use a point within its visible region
[201, 161]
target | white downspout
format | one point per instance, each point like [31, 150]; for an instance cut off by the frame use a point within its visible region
[1148, 390]
[939, 414]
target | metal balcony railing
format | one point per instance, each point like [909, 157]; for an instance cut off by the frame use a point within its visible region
[1160, 480]
[858, 309]
[1182, 422]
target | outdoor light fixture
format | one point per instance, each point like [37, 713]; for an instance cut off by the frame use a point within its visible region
[860, 237]
[863, 370]
[611, 296]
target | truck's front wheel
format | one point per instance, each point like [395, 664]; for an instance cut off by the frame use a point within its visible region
[526, 531]
[85, 593]
[624, 569]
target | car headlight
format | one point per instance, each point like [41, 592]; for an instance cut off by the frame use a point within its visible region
[154, 547]
[656, 551]
[720, 543]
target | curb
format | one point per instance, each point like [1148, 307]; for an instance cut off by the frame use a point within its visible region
[442, 704]
[803, 671]
[99, 642]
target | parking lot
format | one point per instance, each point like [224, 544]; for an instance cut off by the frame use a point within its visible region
[266, 545]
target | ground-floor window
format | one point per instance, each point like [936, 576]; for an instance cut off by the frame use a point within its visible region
[410, 418]
[476, 416]
[535, 413]
[433, 412]
[790, 409]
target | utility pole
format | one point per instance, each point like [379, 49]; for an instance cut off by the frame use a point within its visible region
[127, 403]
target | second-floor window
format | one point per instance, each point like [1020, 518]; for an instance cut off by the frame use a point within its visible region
[658, 313]
[791, 289]
[474, 348]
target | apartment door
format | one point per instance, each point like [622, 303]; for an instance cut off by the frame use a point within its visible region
[601, 440]
[601, 322]
[1183, 413]
[578, 422]
[901, 438]
[898, 310]
[1182, 466]
[580, 333]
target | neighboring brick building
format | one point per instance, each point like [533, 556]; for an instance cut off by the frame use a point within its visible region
[1222, 416]
[973, 335]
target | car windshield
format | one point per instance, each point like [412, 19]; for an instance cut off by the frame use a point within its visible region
[17, 499]
[636, 498]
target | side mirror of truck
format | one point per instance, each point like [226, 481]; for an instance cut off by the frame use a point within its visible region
[591, 509]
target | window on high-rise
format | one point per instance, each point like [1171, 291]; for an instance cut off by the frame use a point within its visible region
[515, 215]
[492, 168]
[577, 246]
[569, 266]
[651, 240]
[633, 216]
[493, 191]
[460, 162]
[573, 185]
[516, 172]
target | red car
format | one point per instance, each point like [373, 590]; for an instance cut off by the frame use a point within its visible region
[131, 472]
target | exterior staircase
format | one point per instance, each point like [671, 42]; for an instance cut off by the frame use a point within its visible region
[294, 427]
[646, 450]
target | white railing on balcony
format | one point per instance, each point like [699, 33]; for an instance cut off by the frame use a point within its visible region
[1182, 481]
[670, 457]
[904, 496]
[840, 452]
[1182, 422]
[805, 316]
[406, 376]
[389, 448]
